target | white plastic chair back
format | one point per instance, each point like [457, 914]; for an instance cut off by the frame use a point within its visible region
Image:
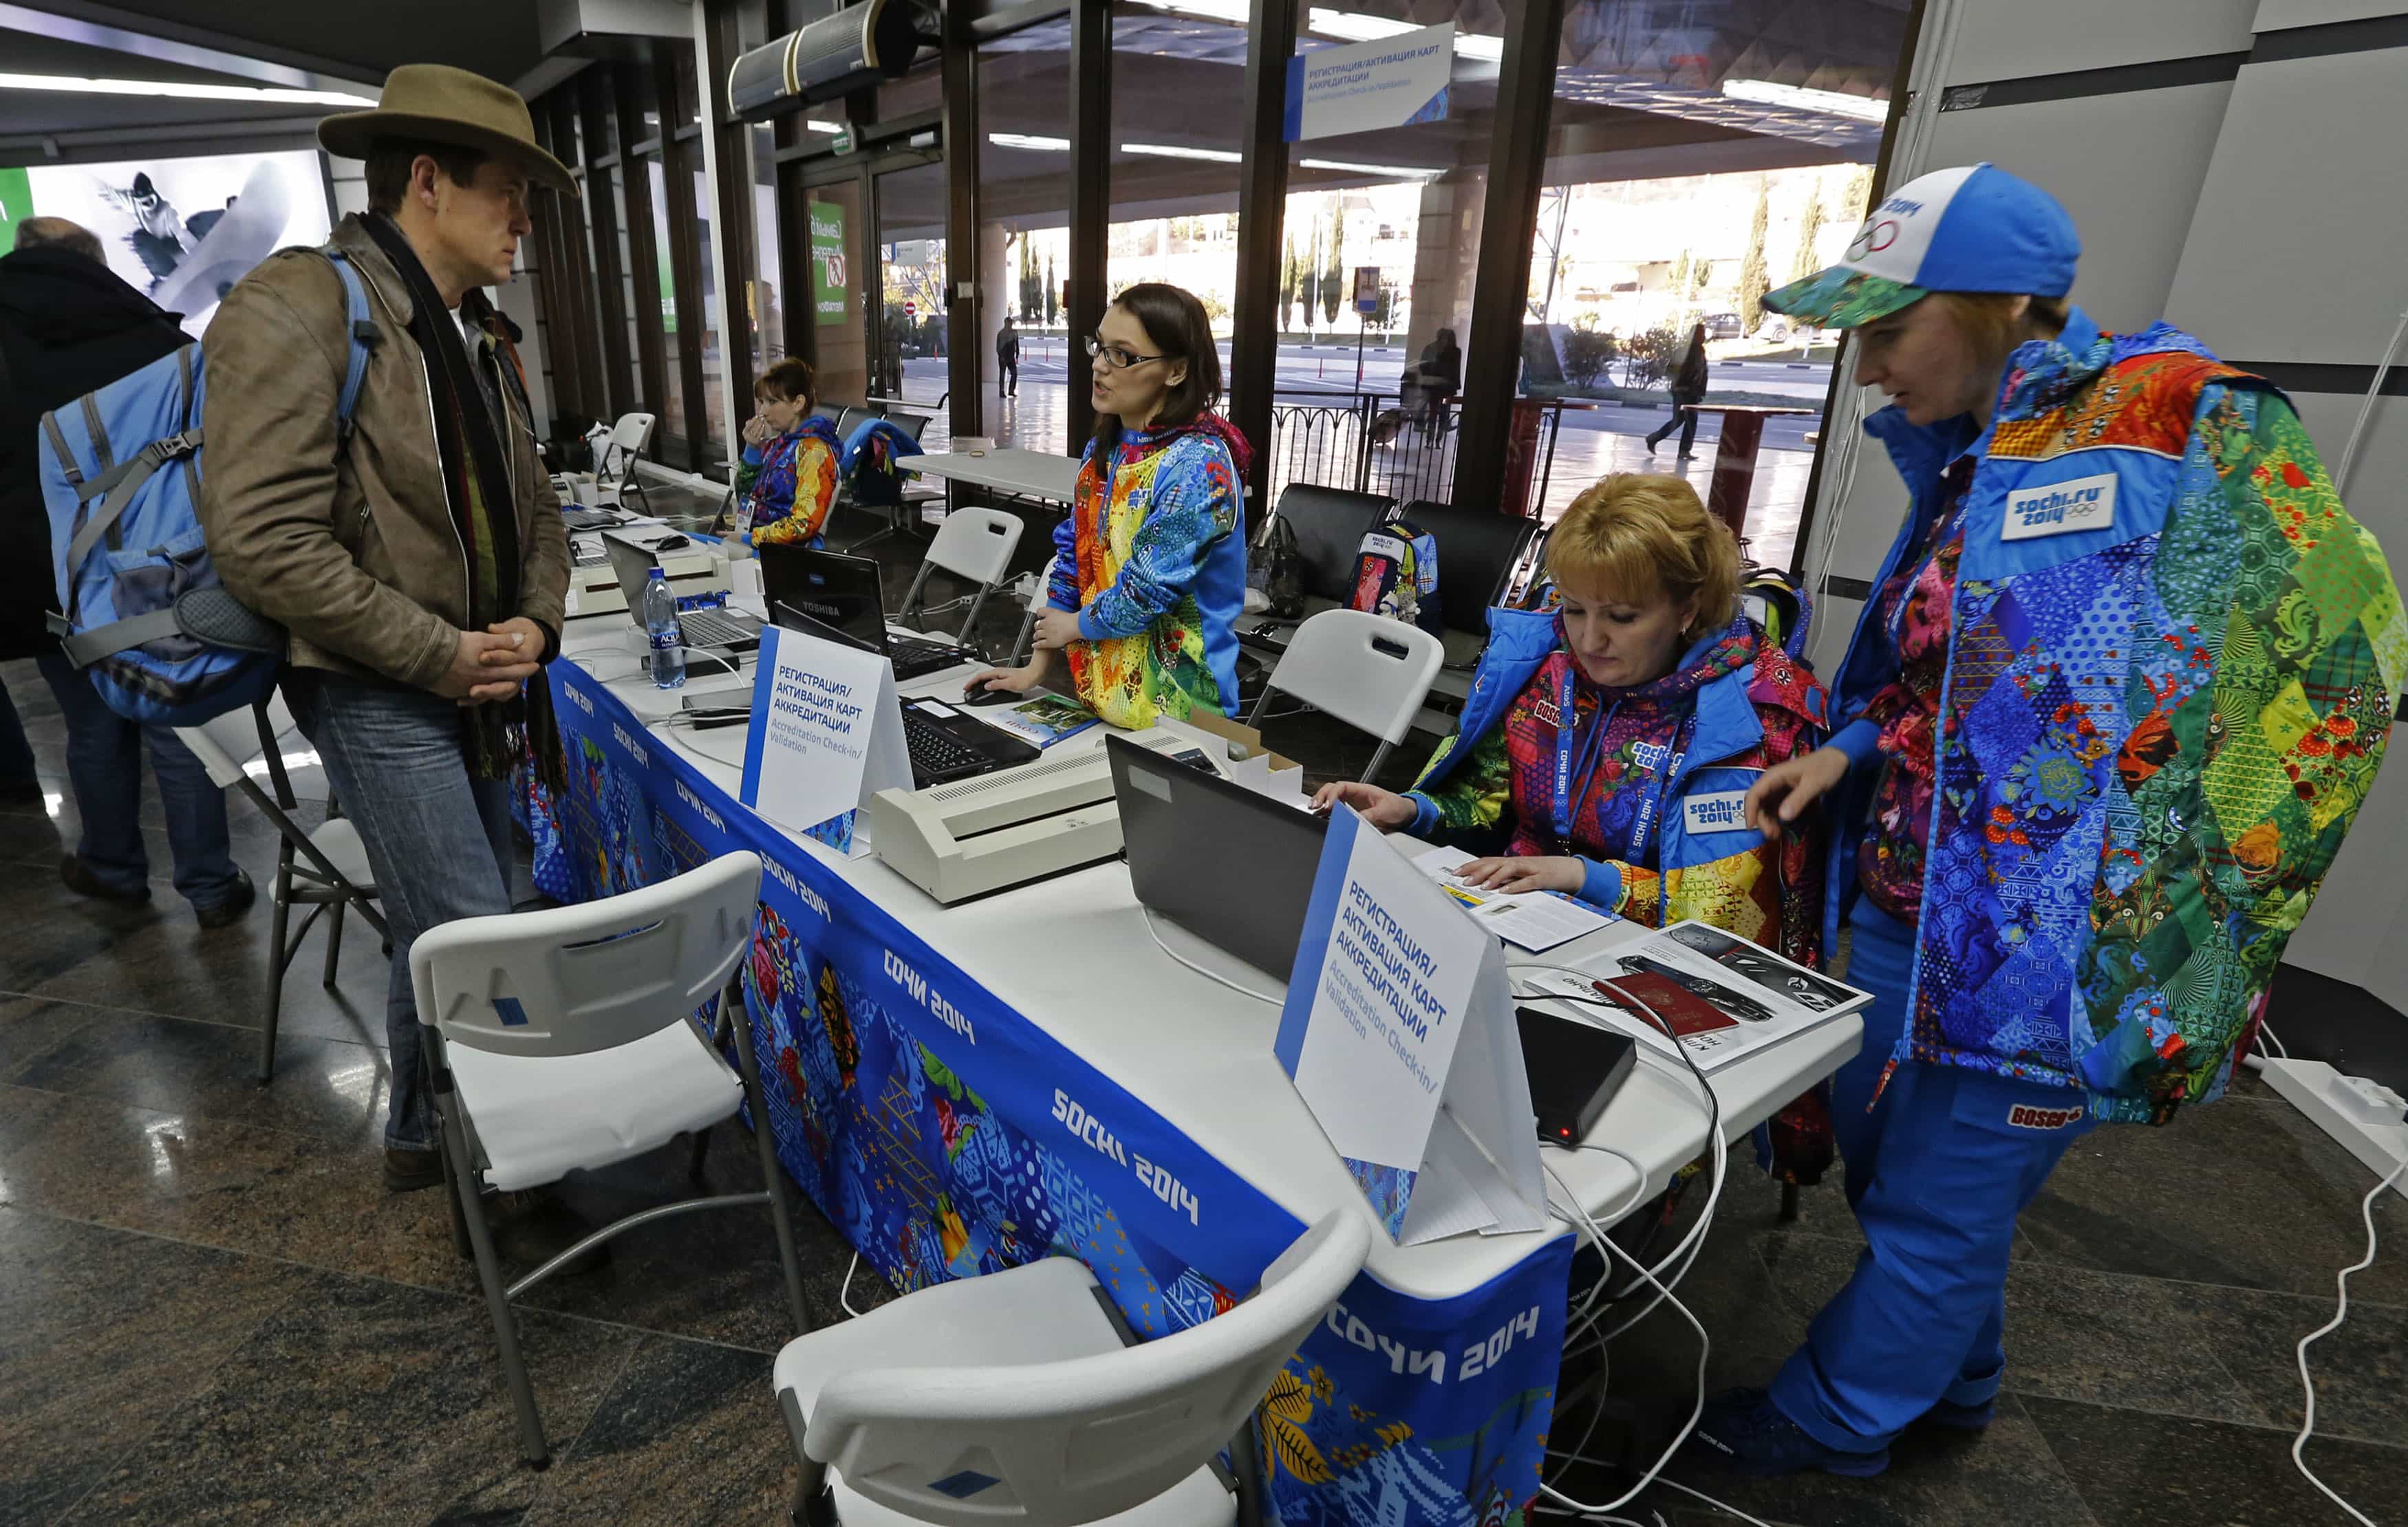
[1080, 1439]
[226, 743]
[572, 979]
[976, 543]
[632, 433]
[1368, 671]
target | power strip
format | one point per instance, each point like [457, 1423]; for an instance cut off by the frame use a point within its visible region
[2365, 1117]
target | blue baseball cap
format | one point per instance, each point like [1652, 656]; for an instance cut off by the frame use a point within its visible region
[1974, 228]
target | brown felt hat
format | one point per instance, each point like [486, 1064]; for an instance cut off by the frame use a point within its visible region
[434, 103]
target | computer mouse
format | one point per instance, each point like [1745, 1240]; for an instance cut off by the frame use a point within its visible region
[990, 698]
[671, 542]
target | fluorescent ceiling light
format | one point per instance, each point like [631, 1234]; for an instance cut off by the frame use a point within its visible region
[1237, 11]
[1401, 172]
[1838, 103]
[1354, 26]
[1023, 140]
[1172, 150]
[261, 94]
[824, 127]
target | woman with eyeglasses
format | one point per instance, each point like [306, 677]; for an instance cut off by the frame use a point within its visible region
[1150, 570]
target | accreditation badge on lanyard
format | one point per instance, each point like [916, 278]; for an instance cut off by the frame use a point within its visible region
[1566, 725]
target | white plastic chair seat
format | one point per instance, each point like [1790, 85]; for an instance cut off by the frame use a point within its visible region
[539, 1117]
[339, 839]
[1044, 1312]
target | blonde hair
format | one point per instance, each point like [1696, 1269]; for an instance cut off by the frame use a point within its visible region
[1647, 536]
[1991, 325]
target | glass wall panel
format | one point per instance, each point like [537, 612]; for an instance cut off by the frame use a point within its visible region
[711, 315]
[911, 278]
[838, 245]
[1024, 255]
[670, 405]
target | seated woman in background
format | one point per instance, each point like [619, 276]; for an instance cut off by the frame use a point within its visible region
[787, 479]
[1150, 569]
[1610, 742]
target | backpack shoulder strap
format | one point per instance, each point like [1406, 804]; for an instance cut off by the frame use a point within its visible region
[364, 335]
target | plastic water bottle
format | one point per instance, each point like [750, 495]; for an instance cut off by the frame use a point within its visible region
[661, 625]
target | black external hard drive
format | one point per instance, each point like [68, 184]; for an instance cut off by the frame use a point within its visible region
[1575, 1068]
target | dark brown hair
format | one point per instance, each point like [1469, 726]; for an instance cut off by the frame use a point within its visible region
[388, 168]
[34, 233]
[1177, 328]
[790, 380]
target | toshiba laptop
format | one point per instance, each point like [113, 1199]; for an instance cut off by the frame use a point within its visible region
[730, 630]
[945, 743]
[845, 591]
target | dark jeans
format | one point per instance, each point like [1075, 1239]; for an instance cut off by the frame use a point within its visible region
[1683, 420]
[437, 840]
[105, 771]
[16, 755]
[1007, 378]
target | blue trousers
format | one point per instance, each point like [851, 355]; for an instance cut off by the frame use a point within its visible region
[105, 771]
[438, 841]
[1937, 1170]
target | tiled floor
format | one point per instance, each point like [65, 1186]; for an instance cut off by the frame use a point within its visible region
[211, 1312]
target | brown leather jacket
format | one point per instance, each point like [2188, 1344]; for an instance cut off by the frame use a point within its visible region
[353, 551]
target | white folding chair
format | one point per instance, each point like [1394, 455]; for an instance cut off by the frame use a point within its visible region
[628, 439]
[1368, 671]
[974, 543]
[1035, 601]
[1017, 1397]
[562, 1039]
[325, 870]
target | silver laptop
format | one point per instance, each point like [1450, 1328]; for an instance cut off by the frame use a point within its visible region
[729, 631]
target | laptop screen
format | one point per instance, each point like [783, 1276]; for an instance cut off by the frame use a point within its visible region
[1230, 865]
[634, 567]
[787, 618]
[832, 589]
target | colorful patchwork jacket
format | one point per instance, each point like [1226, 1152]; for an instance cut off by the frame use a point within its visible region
[1756, 706]
[789, 484]
[1152, 559]
[2172, 664]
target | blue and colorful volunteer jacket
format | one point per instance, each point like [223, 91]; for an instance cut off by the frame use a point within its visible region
[1756, 705]
[1152, 559]
[869, 464]
[2173, 662]
[789, 484]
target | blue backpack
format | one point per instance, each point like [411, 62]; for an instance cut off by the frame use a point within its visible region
[143, 611]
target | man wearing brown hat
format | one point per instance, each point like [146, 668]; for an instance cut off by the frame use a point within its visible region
[419, 564]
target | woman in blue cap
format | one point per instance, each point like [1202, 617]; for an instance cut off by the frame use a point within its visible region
[2121, 686]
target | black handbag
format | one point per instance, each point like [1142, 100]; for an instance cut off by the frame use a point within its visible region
[1275, 565]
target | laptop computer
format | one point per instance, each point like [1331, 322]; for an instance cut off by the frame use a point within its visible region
[945, 744]
[730, 630]
[1230, 865]
[845, 591]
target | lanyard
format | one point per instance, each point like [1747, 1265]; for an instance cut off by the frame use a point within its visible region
[1567, 798]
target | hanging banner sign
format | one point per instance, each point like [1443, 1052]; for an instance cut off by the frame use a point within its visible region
[1363, 86]
[829, 275]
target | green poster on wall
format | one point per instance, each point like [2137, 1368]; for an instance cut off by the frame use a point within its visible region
[16, 204]
[829, 278]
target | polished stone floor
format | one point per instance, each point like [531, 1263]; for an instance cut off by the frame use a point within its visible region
[210, 1311]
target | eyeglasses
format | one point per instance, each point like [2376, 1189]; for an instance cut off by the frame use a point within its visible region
[1116, 357]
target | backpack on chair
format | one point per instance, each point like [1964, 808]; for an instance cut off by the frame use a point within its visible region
[141, 609]
[1395, 575]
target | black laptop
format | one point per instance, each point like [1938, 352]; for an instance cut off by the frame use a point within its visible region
[1230, 865]
[730, 630]
[844, 593]
[945, 743]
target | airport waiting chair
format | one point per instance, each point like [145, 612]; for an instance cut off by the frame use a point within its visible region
[1369, 671]
[975, 543]
[325, 870]
[1329, 525]
[563, 1039]
[1483, 559]
[1017, 1398]
[624, 448]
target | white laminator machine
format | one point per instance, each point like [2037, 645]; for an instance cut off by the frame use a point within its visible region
[993, 831]
[695, 567]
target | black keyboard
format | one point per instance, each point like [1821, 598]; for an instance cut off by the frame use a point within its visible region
[588, 519]
[935, 755]
[711, 628]
[913, 658]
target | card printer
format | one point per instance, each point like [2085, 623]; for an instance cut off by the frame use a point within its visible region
[993, 831]
[697, 567]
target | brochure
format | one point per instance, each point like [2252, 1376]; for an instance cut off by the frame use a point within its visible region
[1537, 921]
[1045, 721]
[1721, 997]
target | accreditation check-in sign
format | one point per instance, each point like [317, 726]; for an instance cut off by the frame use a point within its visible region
[1389, 82]
[1399, 1035]
[827, 734]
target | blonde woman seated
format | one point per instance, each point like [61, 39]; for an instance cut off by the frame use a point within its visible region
[1609, 741]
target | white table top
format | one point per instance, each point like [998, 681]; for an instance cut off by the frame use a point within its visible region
[1200, 1054]
[1033, 474]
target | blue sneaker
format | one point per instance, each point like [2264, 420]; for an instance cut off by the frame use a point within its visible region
[1957, 1417]
[1745, 1432]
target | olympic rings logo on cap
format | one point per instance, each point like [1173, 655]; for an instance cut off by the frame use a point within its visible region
[1874, 237]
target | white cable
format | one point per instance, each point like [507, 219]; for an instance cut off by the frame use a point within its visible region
[2266, 1032]
[1718, 1505]
[2366, 408]
[692, 740]
[1208, 975]
[2340, 1313]
[844, 1290]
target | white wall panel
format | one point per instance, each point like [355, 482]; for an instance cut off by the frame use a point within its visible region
[2128, 167]
[2008, 39]
[2295, 252]
[2274, 15]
